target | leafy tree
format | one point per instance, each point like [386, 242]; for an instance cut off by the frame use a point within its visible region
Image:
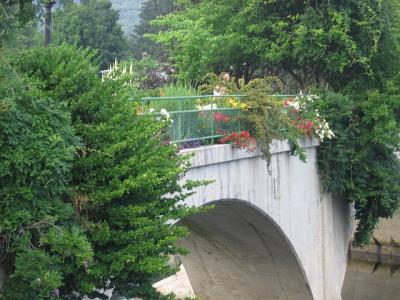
[360, 162]
[40, 244]
[125, 186]
[91, 24]
[150, 10]
[15, 13]
[24, 37]
[312, 41]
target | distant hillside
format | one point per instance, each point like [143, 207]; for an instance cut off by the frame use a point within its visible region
[129, 13]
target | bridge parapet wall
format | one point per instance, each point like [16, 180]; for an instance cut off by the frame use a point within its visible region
[316, 225]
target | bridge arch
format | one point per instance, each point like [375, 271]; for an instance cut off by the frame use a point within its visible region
[237, 251]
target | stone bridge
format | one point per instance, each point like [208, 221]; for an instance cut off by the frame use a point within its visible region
[272, 234]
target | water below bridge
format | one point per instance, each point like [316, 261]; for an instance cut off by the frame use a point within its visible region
[368, 281]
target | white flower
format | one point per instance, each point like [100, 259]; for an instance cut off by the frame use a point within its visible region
[216, 91]
[206, 107]
[164, 113]
[219, 90]
[151, 110]
[295, 105]
[330, 134]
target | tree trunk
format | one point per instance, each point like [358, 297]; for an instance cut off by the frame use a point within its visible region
[2, 275]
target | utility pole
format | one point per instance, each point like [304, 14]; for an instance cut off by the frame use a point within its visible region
[48, 22]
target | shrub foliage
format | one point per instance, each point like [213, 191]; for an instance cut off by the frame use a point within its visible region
[122, 189]
[40, 243]
[360, 162]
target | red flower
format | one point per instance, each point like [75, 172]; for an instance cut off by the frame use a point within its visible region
[220, 117]
[287, 101]
[241, 140]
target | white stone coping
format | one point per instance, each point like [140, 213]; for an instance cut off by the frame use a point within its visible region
[215, 154]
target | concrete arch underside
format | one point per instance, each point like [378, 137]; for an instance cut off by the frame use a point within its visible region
[237, 252]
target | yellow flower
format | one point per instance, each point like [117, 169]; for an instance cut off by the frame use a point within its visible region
[237, 104]
[139, 110]
[244, 106]
[233, 102]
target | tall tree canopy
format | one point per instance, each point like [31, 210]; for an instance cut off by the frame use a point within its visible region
[91, 24]
[16, 13]
[150, 10]
[313, 41]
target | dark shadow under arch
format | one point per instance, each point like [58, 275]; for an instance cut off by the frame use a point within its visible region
[237, 252]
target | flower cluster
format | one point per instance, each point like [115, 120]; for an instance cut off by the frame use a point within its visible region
[163, 115]
[240, 140]
[306, 119]
[220, 117]
[219, 91]
[116, 72]
[323, 130]
[237, 104]
[206, 107]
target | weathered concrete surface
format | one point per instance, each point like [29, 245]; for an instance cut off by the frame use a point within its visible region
[179, 284]
[316, 226]
[366, 281]
[337, 220]
[236, 252]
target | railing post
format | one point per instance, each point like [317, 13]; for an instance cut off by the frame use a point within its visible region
[180, 108]
[212, 119]
[238, 112]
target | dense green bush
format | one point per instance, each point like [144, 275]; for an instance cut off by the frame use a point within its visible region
[39, 240]
[61, 73]
[359, 162]
[125, 186]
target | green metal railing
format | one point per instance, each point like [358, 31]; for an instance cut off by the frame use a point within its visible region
[201, 119]
[198, 119]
